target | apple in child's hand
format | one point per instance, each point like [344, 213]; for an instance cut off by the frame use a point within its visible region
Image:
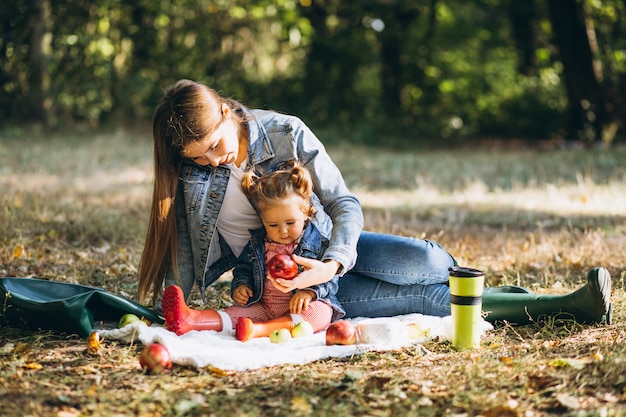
[155, 358]
[280, 336]
[282, 266]
[341, 332]
[302, 329]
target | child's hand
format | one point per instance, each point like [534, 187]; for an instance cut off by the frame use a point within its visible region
[242, 294]
[300, 301]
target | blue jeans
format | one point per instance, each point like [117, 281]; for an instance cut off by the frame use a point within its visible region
[396, 275]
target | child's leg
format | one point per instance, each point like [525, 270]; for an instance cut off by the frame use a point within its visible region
[319, 315]
[262, 318]
[180, 319]
[255, 312]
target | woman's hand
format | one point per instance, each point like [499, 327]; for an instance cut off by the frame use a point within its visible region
[315, 273]
[300, 301]
[242, 294]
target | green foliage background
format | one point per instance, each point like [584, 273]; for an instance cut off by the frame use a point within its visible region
[369, 69]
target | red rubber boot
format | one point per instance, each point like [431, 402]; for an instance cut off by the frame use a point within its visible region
[181, 319]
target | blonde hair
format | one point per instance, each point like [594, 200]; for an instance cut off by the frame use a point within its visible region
[276, 187]
[187, 112]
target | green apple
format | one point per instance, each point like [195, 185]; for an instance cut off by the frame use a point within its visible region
[302, 329]
[280, 336]
[127, 319]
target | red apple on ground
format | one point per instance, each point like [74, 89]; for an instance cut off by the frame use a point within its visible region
[155, 358]
[341, 332]
[282, 266]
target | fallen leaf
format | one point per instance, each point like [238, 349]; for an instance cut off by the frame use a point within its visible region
[506, 359]
[7, 348]
[20, 348]
[33, 365]
[18, 251]
[424, 402]
[538, 382]
[610, 398]
[219, 372]
[550, 344]
[300, 404]
[568, 401]
[501, 411]
[87, 370]
[378, 382]
[559, 363]
[71, 412]
[93, 343]
[564, 363]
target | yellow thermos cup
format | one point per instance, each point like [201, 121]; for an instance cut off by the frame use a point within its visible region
[466, 291]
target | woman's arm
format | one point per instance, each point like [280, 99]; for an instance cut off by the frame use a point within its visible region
[338, 202]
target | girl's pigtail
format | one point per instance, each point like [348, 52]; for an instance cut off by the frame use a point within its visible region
[249, 181]
[301, 181]
[303, 185]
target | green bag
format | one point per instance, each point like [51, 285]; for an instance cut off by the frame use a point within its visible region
[63, 307]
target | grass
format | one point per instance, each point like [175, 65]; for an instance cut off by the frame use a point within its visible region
[75, 209]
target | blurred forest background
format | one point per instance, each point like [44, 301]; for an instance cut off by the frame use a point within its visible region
[367, 70]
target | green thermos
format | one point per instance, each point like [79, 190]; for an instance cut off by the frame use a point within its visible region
[466, 291]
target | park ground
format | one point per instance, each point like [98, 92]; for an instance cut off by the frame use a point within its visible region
[75, 209]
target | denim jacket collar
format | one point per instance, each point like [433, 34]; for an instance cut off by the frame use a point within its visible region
[259, 145]
[312, 242]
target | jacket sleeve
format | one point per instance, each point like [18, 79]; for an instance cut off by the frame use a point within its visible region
[325, 290]
[243, 273]
[338, 202]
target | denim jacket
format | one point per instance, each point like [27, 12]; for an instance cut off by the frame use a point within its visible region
[274, 139]
[250, 268]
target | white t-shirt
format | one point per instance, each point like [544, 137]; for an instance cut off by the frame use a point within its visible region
[237, 215]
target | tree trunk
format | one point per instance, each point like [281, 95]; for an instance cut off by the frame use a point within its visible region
[36, 108]
[586, 112]
[334, 57]
[522, 15]
[398, 19]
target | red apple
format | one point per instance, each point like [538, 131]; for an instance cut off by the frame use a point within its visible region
[341, 332]
[282, 266]
[155, 358]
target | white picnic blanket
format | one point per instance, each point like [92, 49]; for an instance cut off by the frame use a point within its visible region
[222, 350]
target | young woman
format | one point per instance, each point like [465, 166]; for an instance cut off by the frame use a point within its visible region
[282, 199]
[200, 219]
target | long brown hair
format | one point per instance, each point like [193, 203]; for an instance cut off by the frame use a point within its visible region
[274, 188]
[188, 112]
